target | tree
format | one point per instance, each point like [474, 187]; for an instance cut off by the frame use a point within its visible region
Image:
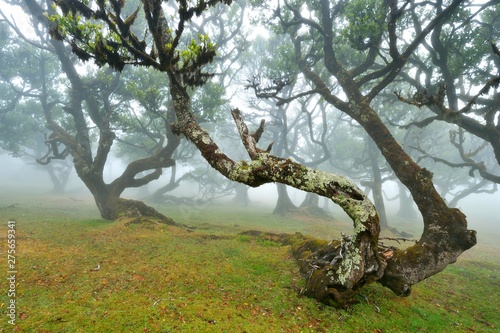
[79, 108]
[368, 32]
[458, 78]
[22, 129]
[339, 269]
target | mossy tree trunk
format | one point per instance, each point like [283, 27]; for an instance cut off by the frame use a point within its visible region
[338, 271]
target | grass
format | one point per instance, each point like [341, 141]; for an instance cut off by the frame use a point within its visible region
[210, 279]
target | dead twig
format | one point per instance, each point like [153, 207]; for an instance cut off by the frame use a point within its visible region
[98, 267]
[398, 239]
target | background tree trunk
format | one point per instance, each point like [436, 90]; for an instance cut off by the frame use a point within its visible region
[376, 184]
[284, 205]
[310, 206]
[241, 197]
[406, 209]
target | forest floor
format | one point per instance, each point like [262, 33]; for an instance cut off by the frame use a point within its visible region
[78, 273]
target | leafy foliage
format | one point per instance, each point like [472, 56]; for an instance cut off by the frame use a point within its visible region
[365, 23]
[113, 42]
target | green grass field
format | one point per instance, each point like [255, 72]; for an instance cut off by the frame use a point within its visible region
[208, 278]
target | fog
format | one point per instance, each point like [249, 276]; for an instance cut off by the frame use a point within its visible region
[25, 175]
[20, 176]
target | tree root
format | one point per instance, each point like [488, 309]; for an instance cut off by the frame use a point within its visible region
[322, 264]
[141, 213]
[10, 206]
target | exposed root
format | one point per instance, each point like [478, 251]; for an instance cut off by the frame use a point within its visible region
[10, 206]
[324, 265]
[139, 212]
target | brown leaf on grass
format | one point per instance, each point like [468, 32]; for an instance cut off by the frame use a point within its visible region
[137, 277]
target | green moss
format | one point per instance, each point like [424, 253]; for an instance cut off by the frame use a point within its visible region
[267, 242]
[416, 252]
[243, 238]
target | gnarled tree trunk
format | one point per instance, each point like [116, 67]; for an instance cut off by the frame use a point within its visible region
[338, 271]
[445, 234]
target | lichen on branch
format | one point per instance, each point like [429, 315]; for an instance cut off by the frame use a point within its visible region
[356, 257]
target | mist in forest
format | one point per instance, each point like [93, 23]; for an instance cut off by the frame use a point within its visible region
[25, 176]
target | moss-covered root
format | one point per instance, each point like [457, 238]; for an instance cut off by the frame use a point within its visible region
[334, 271]
[140, 212]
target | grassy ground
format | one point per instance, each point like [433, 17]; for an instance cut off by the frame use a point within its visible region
[208, 278]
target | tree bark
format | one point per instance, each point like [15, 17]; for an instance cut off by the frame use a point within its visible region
[445, 235]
